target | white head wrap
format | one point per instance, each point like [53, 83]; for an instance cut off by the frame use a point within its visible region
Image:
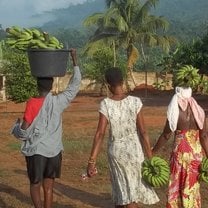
[183, 97]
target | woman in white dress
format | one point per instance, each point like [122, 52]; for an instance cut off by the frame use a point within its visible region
[127, 139]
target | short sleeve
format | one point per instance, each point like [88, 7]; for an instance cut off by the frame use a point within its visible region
[138, 104]
[32, 109]
[103, 108]
[28, 117]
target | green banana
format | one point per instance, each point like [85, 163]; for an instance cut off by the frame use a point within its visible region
[204, 164]
[31, 38]
[36, 33]
[17, 28]
[10, 41]
[28, 31]
[13, 32]
[54, 40]
[187, 76]
[204, 177]
[156, 171]
[156, 182]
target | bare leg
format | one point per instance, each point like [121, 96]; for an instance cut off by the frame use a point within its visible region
[48, 192]
[35, 195]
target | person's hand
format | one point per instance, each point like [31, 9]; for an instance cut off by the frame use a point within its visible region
[72, 52]
[91, 170]
[73, 55]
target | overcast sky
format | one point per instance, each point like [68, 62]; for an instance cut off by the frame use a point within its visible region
[20, 12]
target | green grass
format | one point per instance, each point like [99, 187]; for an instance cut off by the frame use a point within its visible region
[14, 146]
[82, 146]
[77, 146]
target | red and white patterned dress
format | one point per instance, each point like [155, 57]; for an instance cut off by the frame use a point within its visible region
[186, 157]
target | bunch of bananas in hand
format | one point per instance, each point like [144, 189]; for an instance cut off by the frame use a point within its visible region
[24, 39]
[187, 76]
[155, 172]
[203, 176]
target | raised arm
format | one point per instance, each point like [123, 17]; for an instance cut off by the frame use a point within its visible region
[204, 139]
[72, 88]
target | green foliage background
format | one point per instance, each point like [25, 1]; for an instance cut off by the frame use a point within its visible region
[20, 85]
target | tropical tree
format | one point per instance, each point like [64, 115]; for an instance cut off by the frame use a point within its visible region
[132, 27]
[193, 53]
[96, 65]
[105, 34]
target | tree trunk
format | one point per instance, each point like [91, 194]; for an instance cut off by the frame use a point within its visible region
[114, 54]
[130, 75]
[145, 68]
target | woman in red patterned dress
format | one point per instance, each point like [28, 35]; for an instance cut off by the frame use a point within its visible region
[187, 120]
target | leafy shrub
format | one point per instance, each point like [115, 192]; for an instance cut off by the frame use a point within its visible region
[20, 85]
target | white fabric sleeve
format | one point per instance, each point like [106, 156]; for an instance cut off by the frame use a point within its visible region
[138, 105]
[65, 98]
[103, 108]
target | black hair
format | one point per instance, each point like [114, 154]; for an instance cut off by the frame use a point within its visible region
[114, 76]
[44, 84]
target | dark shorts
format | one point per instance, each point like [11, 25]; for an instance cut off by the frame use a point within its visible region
[40, 167]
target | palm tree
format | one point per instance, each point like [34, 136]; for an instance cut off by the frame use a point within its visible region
[105, 34]
[132, 27]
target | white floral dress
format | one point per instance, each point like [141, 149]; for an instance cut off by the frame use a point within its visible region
[125, 152]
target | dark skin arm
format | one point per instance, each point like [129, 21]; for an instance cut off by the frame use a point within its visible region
[204, 139]
[144, 138]
[163, 138]
[97, 144]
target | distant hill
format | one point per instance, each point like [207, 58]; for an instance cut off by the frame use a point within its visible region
[183, 10]
[188, 18]
[73, 16]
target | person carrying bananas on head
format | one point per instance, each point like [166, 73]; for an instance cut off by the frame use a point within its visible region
[186, 119]
[41, 134]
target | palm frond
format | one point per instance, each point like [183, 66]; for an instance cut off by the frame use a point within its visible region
[145, 9]
[104, 33]
[91, 47]
[154, 23]
[94, 19]
[113, 16]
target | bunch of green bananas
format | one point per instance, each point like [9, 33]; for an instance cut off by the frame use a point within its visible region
[155, 172]
[187, 76]
[24, 39]
[203, 176]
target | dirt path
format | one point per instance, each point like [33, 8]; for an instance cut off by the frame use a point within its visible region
[79, 121]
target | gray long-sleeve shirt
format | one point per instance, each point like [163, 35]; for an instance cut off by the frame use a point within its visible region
[44, 135]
